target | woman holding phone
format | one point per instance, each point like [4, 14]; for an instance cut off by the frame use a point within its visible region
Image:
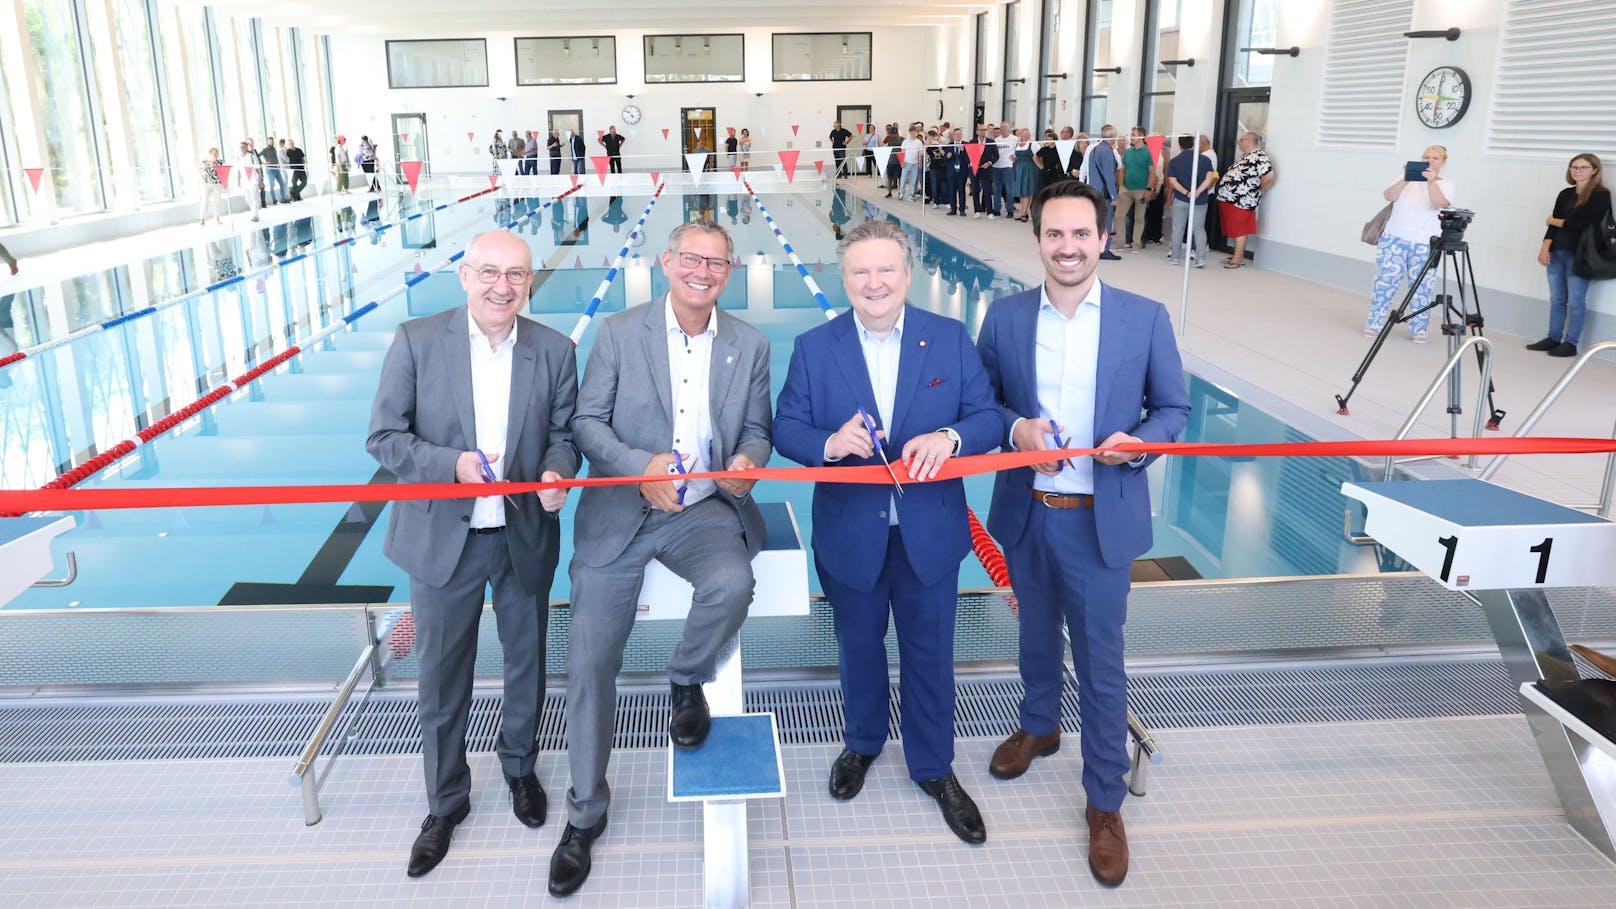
[1581, 206]
[1405, 242]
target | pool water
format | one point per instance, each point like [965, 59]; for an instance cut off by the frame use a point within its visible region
[306, 422]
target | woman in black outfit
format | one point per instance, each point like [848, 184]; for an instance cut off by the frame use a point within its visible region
[1579, 208]
[1049, 162]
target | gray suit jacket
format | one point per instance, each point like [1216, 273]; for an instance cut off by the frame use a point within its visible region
[624, 419]
[423, 420]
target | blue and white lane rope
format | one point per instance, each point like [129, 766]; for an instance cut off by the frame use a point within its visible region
[611, 273]
[802, 270]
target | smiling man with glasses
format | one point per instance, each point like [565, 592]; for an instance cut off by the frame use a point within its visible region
[671, 385]
[472, 395]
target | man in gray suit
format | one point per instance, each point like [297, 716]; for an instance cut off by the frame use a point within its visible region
[473, 395]
[674, 385]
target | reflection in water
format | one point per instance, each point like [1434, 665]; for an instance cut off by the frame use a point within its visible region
[615, 216]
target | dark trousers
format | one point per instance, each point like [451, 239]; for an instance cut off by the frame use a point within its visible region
[956, 190]
[924, 616]
[616, 164]
[555, 165]
[300, 179]
[1059, 577]
[840, 154]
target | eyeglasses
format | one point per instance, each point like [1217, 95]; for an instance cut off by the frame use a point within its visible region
[1582, 167]
[691, 260]
[488, 274]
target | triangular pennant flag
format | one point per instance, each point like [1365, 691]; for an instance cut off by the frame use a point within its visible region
[605, 261]
[656, 177]
[601, 162]
[882, 154]
[794, 128]
[1155, 144]
[34, 173]
[858, 128]
[223, 170]
[820, 166]
[902, 158]
[404, 136]
[574, 180]
[696, 161]
[731, 130]
[697, 131]
[412, 172]
[664, 132]
[471, 137]
[493, 181]
[577, 261]
[1065, 147]
[737, 171]
[355, 269]
[418, 268]
[973, 150]
[788, 160]
[250, 170]
[600, 134]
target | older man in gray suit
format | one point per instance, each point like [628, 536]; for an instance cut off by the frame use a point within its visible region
[472, 395]
[674, 385]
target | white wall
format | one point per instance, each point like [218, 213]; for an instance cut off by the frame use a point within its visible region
[907, 61]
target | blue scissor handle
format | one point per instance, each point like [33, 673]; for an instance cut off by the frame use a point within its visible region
[679, 465]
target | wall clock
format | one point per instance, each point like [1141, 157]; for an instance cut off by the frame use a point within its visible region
[631, 114]
[1443, 97]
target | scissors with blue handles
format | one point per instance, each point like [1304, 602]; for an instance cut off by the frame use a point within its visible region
[488, 477]
[679, 468]
[1060, 443]
[869, 424]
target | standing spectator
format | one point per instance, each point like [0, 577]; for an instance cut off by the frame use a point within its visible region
[1581, 207]
[498, 151]
[1188, 169]
[248, 173]
[1138, 186]
[732, 149]
[1205, 146]
[746, 149]
[579, 151]
[1240, 190]
[1102, 175]
[341, 163]
[914, 162]
[1001, 193]
[212, 191]
[1024, 178]
[959, 166]
[838, 147]
[275, 185]
[1049, 161]
[982, 197]
[872, 138]
[553, 143]
[614, 148]
[518, 149]
[515, 144]
[285, 167]
[936, 169]
[894, 142]
[1157, 206]
[367, 163]
[530, 154]
[1405, 243]
[298, 162]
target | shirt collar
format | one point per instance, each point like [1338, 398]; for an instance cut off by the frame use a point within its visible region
[673, 321]
[1090, 298]
[475, 331]
[897, 328]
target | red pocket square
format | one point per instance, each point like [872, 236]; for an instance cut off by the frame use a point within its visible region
[935, 383]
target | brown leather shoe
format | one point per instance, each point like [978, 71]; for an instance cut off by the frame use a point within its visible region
[1014, 755]
[1108, 846]
[1601, 661]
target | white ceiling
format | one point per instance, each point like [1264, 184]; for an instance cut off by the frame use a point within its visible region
[436, 18]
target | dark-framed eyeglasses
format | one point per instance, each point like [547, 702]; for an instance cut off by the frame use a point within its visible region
[488, 274]
[691, 260]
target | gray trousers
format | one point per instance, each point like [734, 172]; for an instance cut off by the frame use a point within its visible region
[1181, 211]
[703, 545]
[446, 620]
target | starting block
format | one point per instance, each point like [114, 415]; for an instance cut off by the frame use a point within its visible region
[25, 552]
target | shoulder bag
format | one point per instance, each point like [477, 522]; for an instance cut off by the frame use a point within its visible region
[1596, 253]
[1376, 226]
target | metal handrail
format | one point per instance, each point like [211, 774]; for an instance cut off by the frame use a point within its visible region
[1605, 490]
[1486, 350]
[72, 574]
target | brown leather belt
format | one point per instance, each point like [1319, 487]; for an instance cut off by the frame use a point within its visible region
[1063, 500]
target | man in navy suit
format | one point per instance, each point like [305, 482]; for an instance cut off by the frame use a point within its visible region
[919, 378]
[1081, 360]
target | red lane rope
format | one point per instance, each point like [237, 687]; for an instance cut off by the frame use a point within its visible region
[60, 499]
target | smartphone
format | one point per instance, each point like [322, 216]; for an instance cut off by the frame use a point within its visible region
[1414, 171]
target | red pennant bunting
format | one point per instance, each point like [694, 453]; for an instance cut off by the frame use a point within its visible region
[355, 269]
[664, 132]
[493, 181]
[788, 161]
[471, 137]
[973, 150]
[820, 166]
[250, 171]
[605, 261]
[901, 156]
[1154, 143]
[577, 261]
[600, 134]
[418, 268]
[412, 173]
[405, 137]
[794, 128]
[223, 170]
[858, 128]
[34, 173]
[601, 162]
[574, 181]
[656, 177]
[737, 173]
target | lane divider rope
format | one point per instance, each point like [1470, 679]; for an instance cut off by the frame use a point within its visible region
[611, 273]
[802, 270]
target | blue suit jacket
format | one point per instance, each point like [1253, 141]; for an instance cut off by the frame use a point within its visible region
[940, 383]
[1103, 170]
[1138, 370]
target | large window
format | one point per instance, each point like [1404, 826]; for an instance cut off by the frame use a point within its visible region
[1098, 67]
[142, 101]
[1012, 60]
[447, 63]
[1048, 45]
[981, 79]
[566, 61]
[74, 147]
[694, 58]
[1162, 20]
[830, 57]
[1256, 25]
[13, 195]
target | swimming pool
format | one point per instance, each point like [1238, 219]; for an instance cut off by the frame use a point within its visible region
[305, 423]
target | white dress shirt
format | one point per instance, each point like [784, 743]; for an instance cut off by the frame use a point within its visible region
[491, 409]
[690, 364]
[1067, 356]
[881, 357]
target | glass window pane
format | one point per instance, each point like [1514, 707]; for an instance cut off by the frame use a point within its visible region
[695, 58]
[277, 83]
[824, 57]
[14, 188]
[234, 112]
[1097, 87]
[141, 102]
[1012, 59]
[566, 61]
[1258, 26]
[1158, 114]
[1165, 45]
[447, 63]
[54, 45]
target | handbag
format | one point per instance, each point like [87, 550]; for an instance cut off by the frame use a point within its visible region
[1596, 253]
[1375, 226]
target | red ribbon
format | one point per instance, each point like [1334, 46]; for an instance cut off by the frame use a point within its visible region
[16, 502]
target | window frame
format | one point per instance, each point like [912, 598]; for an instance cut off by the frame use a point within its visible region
[516, 59]
[774, 70]
[645, 46]
[387, 54]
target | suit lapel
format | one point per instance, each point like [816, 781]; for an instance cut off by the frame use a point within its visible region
[656, 353]
[457, 353]
[721, 371]
[1113, 327]
[912, 351]
[523, 365]
[1024, 341]
[849, 358]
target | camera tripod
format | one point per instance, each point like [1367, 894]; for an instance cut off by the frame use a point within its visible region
[1461, 316]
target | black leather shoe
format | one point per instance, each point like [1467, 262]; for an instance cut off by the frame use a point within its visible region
[1543, 344]
[689, 721]
[528, 801]
[569, 864]
[1564, 349]
[847, 773]
[958, 809]
[432, 843]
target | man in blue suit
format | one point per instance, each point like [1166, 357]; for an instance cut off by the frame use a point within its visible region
[1103, 166]
[1081, 360]
[878, 549]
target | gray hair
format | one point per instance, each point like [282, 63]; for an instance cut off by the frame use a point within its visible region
[1108, 132]
[877, 230]
[701, 226]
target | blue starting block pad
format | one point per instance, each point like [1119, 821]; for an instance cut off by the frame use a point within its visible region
[740, 760]
[1473, 535]
[25, 551]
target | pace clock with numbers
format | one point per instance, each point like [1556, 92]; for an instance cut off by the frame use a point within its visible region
[1443, 97]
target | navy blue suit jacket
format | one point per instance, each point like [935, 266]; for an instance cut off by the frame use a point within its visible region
[1139, 390]
[1103, 170]
[941, 383]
